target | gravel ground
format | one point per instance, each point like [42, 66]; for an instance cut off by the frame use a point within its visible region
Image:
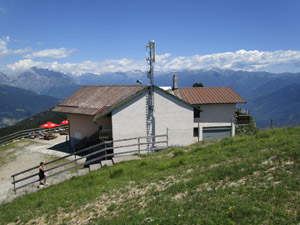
[29, 153]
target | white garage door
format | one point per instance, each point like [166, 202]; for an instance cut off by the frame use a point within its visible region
[214, 133]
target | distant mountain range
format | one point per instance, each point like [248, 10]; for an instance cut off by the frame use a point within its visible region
[3, 78]
[42, 81]
[282, 106]
[268, 95]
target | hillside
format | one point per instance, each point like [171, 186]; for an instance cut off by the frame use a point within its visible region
[17, 104]
[241, 180]
[3, 79]
[33, 122]
[282, 106]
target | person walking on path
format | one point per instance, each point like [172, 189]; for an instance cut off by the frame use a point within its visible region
[42, 175]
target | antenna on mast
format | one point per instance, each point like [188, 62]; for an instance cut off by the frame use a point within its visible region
[150, 58]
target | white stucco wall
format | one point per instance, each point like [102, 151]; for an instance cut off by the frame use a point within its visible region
[217, 113]
[176, 116]
[130, 120]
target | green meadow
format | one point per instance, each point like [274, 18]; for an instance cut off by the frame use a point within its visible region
[251, 179]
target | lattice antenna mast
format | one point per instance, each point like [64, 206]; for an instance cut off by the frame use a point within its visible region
[150, 58]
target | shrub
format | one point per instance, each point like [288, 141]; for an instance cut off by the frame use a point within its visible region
[249, 129]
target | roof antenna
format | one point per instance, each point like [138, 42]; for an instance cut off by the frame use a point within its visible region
[150, 58]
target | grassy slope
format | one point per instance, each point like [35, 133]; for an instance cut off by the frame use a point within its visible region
[242, 180]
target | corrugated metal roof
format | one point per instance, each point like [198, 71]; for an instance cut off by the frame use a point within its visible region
[98, 99]
[208, 95]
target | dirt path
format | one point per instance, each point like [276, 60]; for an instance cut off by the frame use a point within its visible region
[27, 154]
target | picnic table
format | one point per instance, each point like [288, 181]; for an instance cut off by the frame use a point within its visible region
[49, 136]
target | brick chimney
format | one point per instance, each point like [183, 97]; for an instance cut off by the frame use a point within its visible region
[175, 82]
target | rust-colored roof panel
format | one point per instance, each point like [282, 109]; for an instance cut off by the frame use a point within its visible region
[98, 100]
[94, 99]
[208, 95]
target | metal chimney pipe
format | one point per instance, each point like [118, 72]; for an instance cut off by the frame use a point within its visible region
[175, 82]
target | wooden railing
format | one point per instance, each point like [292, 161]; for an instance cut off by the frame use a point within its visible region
[26, 133]
[105, 153]
[243, 119]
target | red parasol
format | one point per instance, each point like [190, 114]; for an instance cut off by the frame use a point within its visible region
[64, 122]
[49, 125]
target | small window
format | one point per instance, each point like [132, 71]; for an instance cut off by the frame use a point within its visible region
[196, 131]
[196, 113]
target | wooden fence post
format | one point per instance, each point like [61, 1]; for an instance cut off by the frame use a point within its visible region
[76, 164]
[139, 147]
[167, 137]
[231, 131]
[14, 185]
[198, 132]
[271, 123]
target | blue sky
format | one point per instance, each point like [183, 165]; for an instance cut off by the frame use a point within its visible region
[80, 36]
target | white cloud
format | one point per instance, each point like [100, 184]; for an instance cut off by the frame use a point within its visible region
[3, 46]
[239, 60]
[51, 53]
[162, 58]
[24, 64]
[21, 51]
[4, 51]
